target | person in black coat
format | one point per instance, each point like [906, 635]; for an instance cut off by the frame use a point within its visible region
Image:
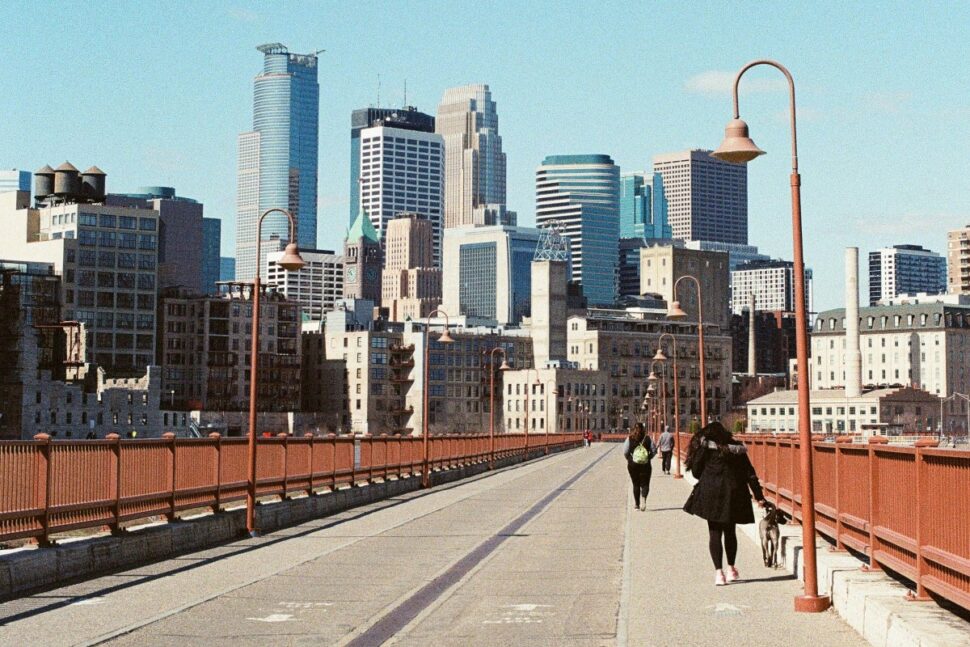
[724, 476]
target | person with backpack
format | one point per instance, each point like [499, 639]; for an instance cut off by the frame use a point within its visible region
[638, 449]
[724, 475]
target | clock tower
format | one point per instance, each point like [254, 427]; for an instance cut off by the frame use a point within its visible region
[362, 261]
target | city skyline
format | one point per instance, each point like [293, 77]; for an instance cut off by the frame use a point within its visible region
[855, 181]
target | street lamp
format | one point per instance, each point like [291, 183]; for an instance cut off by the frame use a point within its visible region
[290, 261]
[444, 339]
[738, 147]
[491, 402]
[675, 312]
[661, 357]
[663, 386]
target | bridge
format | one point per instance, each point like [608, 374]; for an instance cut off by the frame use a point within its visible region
[545, 551]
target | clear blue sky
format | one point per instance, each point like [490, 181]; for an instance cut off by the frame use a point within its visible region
[156, 93]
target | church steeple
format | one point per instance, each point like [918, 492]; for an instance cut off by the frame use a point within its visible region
[362, 228]
[362, 261]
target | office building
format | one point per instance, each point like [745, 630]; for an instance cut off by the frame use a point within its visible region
[227, 268]
[362, 261]
[958, 261]
[410, 283]
[401, 171]
[474, 162]
[737, 254]
[14, 180]
[643, 207]
[106, 255]
[489, 272]
[278, 157]
[581, 193]
[316, 286]
[707, 199]
[211, 241]
[661, 266]
[905, 269]
[772, 283]
[406, 118]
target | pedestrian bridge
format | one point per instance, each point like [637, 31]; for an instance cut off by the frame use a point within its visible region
[545, 552]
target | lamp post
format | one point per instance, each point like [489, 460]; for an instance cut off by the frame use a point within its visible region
[491, 402]
[660, 356]
[444, 339]
[738, 147]
[675, 312]
[290, 261]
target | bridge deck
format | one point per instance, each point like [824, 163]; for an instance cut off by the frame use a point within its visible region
[549, 553]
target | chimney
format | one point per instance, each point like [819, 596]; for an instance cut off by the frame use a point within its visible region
[752, 354]
[853, 358]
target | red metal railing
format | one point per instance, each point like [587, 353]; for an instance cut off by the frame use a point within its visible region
[904, 507]
[48, 487]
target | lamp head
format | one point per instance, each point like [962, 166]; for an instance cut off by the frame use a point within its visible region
[651, 389]
[675, 311]
[445, 338]
[505, 366]
[737, 146]
[291, 259]
[659, 356]
[652, 377]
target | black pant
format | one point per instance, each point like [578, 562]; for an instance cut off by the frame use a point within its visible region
[666, 460]
[717, 531]
[640, 477]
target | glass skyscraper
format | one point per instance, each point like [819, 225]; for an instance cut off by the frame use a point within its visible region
[211, 239]
[582, 193]
[643, 207]
[278, 157]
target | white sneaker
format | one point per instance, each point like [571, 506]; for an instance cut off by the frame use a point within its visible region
[732, 574]
[719, 578]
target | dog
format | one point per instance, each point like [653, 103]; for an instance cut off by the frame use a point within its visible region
[768, 529]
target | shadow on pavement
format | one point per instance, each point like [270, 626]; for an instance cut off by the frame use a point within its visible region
[774, 578]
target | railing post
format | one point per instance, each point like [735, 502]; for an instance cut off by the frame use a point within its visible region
[115, 526]
[921, 492]
[217, 438]
[333, 465]
[873, 565]
[839, 442]
[170, 437]
[310, 439]
[44, 475]
[286, 463]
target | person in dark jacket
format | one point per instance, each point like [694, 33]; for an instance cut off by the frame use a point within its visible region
[639, 472]
[724, 475]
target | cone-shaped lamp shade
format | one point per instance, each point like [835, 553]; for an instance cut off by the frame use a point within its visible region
[660, 357]
[505, 366]
[652, 377]
[651, 389]
[291, 259]
[675, 312]
[737, 146]
[445, 337]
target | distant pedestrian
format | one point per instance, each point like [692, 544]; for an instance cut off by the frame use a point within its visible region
[666, 447]
[638, 449]
[724, 475]
[587, 438]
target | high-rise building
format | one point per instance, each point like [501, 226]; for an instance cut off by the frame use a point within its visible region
[582, 194]
[211, 241]
[410, 283]
[278, 157]
[227, 268]
[489, 272]
[643, 207]
[362, 261]
[905, 269]
[707, 199]
[474, 162]
[772, 283]
[661, 266]
[958, 261]
[401, 172]
[316, 286]
[407, 118]
[14, 180]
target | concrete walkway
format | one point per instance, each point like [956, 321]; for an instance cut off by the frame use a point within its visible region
[549, 553]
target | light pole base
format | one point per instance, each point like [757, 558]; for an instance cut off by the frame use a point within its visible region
[812, 603]
[254, 533]
[678, 476]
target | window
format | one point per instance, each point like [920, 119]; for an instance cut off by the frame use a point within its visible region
[127, 222]
[146, 224]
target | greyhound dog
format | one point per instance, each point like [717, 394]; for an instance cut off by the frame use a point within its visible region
[768, 529]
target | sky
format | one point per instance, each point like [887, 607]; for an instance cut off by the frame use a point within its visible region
[157, 93]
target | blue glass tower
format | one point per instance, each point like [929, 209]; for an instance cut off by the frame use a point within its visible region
[278, 158]
[643, 207]
[211, 239]
[582, 193]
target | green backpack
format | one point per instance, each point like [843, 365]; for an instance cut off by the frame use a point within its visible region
[640, 454]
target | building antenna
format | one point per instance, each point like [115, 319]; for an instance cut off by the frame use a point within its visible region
[378, 90]
[405, 93]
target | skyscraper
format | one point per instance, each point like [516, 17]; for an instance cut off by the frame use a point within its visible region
[401, 172]
[582, 193]
[211, 240]
[362, 261]
[316, 286]
[707, 198]
[643, 207]
[905, 269]
[772, 283]
[410, 282]
[407, 118]
[278, 157]
[474, 161]
[958, 261]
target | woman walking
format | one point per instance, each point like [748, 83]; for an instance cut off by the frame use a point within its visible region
[724, 475]
[638, 449]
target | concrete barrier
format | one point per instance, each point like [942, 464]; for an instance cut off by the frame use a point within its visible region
[30, 569]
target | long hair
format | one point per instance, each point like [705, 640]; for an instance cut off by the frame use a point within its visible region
[637, 432]
[714, 432]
